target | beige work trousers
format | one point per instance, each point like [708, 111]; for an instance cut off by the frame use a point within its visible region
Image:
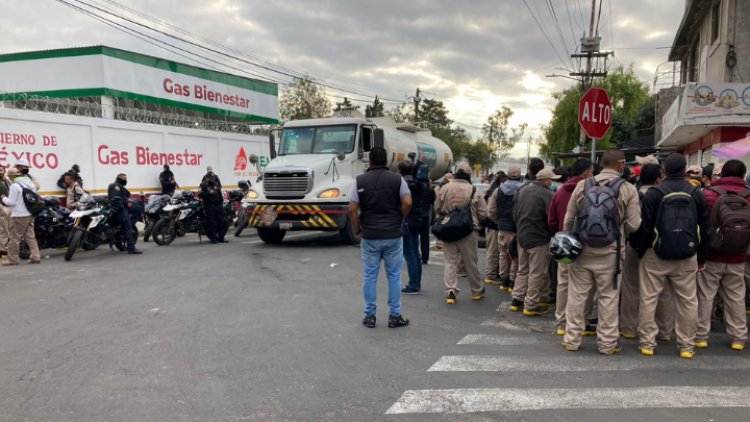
[4, 228]
[680, 275]
[492, 261]
[563, 281]
[730, 279]
[532, 281]
[465, 251]
[630, 299]
[592, 273]
[22, 228]
[508, 268]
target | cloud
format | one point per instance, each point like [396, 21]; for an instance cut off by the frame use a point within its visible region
[475, 56]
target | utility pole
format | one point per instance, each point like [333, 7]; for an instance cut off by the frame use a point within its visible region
[590, 51]
[416, 107]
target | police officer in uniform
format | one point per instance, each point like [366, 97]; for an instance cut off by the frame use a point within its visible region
[118, 201]
[213, 206]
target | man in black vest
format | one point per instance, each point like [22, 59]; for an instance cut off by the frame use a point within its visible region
[378, 204]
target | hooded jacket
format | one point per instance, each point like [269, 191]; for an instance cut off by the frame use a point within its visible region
[14, 200]
[729, 184]
[559, 205]
[504, 201]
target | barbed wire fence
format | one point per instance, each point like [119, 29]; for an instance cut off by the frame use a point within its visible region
[129, 111]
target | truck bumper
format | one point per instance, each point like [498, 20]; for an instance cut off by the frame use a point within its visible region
[326, 217]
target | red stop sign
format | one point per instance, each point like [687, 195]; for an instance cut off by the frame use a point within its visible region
[595, 113]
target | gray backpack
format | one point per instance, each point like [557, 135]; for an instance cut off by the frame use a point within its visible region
[598, 221]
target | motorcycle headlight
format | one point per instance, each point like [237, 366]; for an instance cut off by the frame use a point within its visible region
[330, 193]
[252, 194]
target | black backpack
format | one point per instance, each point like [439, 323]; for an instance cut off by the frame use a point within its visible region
[455, 225]
[676, 233]
[597, 223]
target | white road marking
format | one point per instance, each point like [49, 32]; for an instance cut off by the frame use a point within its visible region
[502, 324]
[518, 399]
[499, 340]
[585, 363]
[503, 306]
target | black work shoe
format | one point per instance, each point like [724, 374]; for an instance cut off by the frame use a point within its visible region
[223, 241]
[516, 305]
[135, 252]
[397, 321]
[409, 291]
[369, 321]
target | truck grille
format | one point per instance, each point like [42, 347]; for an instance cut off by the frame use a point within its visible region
[287, 183]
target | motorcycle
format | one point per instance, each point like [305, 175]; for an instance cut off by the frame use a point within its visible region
[51, 227]
[245, 209]
[236, 196]
[95, 223]
[153, 211]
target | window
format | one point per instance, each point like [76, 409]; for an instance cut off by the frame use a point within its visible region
[317, 140]
[715, 21]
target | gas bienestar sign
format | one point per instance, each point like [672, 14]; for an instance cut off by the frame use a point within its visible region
[94, 71]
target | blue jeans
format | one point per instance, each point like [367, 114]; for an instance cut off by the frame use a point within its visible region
[413, 260]
[391, 251]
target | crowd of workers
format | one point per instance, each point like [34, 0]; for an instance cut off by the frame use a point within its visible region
[617, 252]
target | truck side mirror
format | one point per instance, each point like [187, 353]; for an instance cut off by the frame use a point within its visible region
[379, 138]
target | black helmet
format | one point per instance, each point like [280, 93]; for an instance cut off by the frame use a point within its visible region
[565, 248]
[243, 185]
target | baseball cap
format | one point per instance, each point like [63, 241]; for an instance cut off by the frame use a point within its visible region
[547, 173]
[464, 167]
[694, 169]
[514, 171]
[648, 159]
[22, 163]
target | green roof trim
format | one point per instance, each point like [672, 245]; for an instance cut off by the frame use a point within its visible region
[91, 92]
[256, 85]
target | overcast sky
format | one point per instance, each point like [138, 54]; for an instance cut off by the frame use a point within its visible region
[475, 55]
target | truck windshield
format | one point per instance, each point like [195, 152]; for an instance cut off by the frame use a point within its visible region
[317, 140]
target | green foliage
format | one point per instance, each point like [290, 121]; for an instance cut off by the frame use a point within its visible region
[399, 113]
[345, 105]
[499, 135]
[376, 109]
[303, 99]
[433, 114]
[630, 99]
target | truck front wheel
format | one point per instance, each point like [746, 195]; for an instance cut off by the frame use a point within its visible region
[347, 234]
[271, 236]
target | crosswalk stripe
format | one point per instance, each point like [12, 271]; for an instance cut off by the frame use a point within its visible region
[502, 324]
[512, 399]
[585, 362]
[499, 340]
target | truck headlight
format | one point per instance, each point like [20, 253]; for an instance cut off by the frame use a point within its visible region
[330, 193]
[252, 194]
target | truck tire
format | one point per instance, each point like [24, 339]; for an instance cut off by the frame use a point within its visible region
[161, 233]
[347, 234]
[271, 236]
[241, 224]
[75, 239]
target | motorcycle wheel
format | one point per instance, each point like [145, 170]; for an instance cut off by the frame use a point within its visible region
[241, 224]
[75, 239]
[24, 252]
[121, 244]
[162, 234]
[147, 231]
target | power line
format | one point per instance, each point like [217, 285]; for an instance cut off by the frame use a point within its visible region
[269, 68]
[544, 32]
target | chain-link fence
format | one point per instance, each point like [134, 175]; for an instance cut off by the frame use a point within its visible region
[130, 111]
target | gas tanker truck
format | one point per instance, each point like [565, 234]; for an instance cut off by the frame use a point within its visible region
[314, 164]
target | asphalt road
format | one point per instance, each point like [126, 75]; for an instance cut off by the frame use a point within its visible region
[247, 331]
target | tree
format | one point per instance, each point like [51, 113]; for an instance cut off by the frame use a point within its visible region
[303, 99]
[628, 95]
[433, 114]
[345, 105]
[399, 114]
[499, 135]
[376, 109]
[482, 153]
